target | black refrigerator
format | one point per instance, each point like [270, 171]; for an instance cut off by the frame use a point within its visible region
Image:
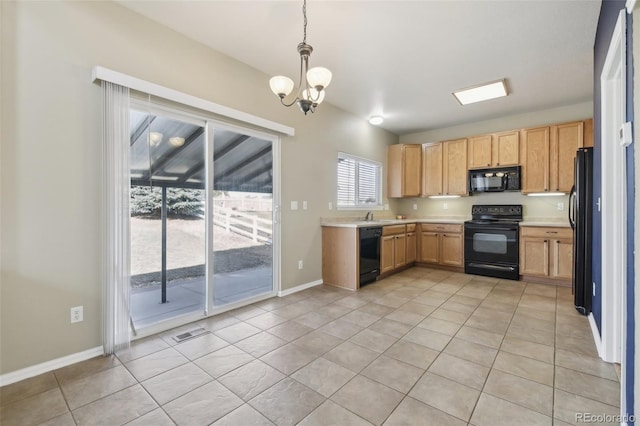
[581, 220]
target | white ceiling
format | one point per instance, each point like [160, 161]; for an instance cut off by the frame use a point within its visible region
[402, 59]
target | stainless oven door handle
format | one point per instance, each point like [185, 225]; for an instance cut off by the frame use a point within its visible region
[484, 265]
[489, 228]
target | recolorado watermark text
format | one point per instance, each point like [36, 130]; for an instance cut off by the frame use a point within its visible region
[604, 418]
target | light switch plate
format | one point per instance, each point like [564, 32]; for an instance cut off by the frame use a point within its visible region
[386, 206]
[330, 205]
[415, 206]
[294, 205]
[304, 205]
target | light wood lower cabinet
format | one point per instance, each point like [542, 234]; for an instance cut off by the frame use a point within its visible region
[451, 249]
[387, 253]
[400, 250]
[397, 247]
[411, 247]
[429, 247]
[546, 252]
[441, 244]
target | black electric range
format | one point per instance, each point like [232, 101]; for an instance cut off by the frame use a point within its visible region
[491, 243]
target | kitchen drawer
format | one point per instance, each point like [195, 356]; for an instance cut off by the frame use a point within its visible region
[393, 229]
[411, 227]
[535, 231]
[441, 227]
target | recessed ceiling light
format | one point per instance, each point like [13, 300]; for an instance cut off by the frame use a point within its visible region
[481, 92]
[376, 120]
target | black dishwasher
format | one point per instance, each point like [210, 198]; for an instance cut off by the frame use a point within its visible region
[369, 254]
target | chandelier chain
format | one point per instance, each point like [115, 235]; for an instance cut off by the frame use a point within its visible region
[304, 14]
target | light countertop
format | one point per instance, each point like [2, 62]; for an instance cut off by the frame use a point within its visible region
[546, 223]
[341, 223]
[355, 223]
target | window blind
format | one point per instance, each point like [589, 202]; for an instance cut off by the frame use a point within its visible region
[359, 182]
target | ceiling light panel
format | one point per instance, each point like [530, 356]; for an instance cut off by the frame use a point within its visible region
[482, 92]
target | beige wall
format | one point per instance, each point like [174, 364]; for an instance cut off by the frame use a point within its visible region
[534, 207]
[50, 152]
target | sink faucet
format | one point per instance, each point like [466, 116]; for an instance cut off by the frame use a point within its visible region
[369, 216]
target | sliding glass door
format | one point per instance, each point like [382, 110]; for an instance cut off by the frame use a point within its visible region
[201, 216]
[242, 216]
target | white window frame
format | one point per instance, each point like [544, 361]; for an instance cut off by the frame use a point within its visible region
[379, 204]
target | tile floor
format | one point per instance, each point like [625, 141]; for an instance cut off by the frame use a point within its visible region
[423, 347]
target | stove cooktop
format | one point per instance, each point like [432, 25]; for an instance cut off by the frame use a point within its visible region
[496, 213]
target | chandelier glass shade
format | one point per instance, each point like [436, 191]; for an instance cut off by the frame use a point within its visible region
[310, 92]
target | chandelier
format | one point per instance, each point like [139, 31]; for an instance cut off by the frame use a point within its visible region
[313, 81]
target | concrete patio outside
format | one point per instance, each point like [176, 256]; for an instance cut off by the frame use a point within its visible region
[187, 295]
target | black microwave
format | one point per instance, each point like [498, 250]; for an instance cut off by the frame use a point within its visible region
[495, 180]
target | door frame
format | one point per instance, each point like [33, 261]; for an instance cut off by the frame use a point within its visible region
[179, 112]
[613, 204]
[212, 124]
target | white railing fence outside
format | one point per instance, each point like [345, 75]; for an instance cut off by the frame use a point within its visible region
[242, 223]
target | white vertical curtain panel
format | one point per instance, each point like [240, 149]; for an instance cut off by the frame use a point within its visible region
[116, 184]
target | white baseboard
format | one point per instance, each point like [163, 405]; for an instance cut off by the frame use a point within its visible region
[54, 364]
[299, 288]
[596, 334]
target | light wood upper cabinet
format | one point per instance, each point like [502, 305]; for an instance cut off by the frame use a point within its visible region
[506, 149]
[455, 167]
[588, 132]
[480, 151]
[432, 169]
[404, 164]
[535, 160]
[565, 141]
[547, 157]
[496, 150]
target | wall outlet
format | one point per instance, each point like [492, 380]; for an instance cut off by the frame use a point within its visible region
[330, 205]
[386, 206]
[445, 206]
[560, 206]
[415, 207]
[300, 264]
[294, 205]
[304, 205]
[77, 314]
